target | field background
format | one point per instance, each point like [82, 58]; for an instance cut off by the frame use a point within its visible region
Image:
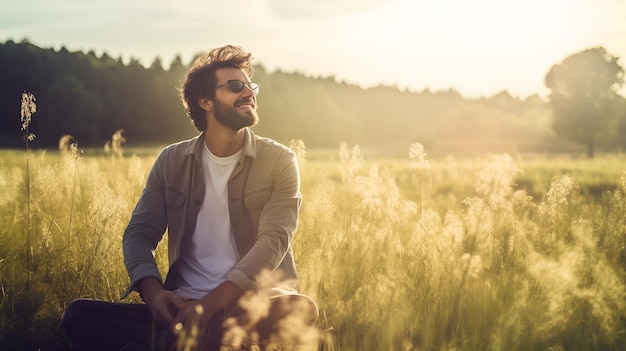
[494, 252]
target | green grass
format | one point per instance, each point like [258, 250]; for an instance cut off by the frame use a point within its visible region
[491, 253]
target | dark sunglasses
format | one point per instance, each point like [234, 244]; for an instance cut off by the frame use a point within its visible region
[236, 86]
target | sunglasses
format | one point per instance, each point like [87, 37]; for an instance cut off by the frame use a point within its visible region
[236, 86]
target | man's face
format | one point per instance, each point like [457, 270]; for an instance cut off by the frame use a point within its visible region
[232, 109]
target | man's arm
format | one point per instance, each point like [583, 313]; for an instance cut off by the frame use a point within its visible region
[142, 235]
[277, 223]
[145, 230]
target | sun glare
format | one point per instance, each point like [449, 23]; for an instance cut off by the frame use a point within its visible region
[464, 43]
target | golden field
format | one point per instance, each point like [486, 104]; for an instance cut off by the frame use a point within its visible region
[501, 252]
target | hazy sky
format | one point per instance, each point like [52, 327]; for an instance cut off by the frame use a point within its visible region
[478, 47]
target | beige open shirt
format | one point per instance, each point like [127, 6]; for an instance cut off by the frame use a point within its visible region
[264, 200]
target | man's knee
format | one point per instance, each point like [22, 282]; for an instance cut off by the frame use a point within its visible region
[301, 307]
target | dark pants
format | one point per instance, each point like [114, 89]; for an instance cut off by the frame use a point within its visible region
[102, 325]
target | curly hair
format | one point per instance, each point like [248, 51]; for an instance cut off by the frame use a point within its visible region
[201, 78]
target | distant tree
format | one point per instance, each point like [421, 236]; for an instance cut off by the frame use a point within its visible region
[177, 69]
[584, 96]
[156, 65]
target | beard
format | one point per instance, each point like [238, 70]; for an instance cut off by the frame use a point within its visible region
[229, 116]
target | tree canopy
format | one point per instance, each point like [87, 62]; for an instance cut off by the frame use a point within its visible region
[584, 99]
[91, 97]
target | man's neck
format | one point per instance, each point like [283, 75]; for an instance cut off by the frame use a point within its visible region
[224, 142]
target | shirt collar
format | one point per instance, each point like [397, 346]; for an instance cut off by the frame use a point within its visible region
[249, 146]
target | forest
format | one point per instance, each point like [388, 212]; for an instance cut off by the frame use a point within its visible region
[90, 97]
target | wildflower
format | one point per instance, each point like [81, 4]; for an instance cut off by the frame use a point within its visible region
[417, 156]
[113, 147]
[496, 180]
[28, 108]
[351, 162]
[559, 190]
[116, 142]
[64, 143]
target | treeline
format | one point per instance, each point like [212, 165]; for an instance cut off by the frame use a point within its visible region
[90, 97]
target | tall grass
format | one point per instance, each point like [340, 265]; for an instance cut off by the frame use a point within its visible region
[27, 109]
[495, 269]
[78, 210]
[493, 253]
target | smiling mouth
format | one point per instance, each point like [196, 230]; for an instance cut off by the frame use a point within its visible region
[247, 105]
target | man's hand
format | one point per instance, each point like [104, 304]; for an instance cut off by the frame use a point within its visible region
[200, 312]
[163, 304]
[194, 313]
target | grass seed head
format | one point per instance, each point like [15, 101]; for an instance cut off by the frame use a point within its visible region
[29, 107]
[417, 156]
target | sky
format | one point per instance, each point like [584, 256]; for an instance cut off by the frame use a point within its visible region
[476, 47]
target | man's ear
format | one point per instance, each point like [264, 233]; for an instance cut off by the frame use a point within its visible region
[205, 103]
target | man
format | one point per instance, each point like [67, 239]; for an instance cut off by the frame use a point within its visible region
[229, 201]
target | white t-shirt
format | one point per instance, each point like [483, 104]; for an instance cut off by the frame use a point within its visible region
[212, 253]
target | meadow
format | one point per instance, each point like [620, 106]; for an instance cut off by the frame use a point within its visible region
[498, 252]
